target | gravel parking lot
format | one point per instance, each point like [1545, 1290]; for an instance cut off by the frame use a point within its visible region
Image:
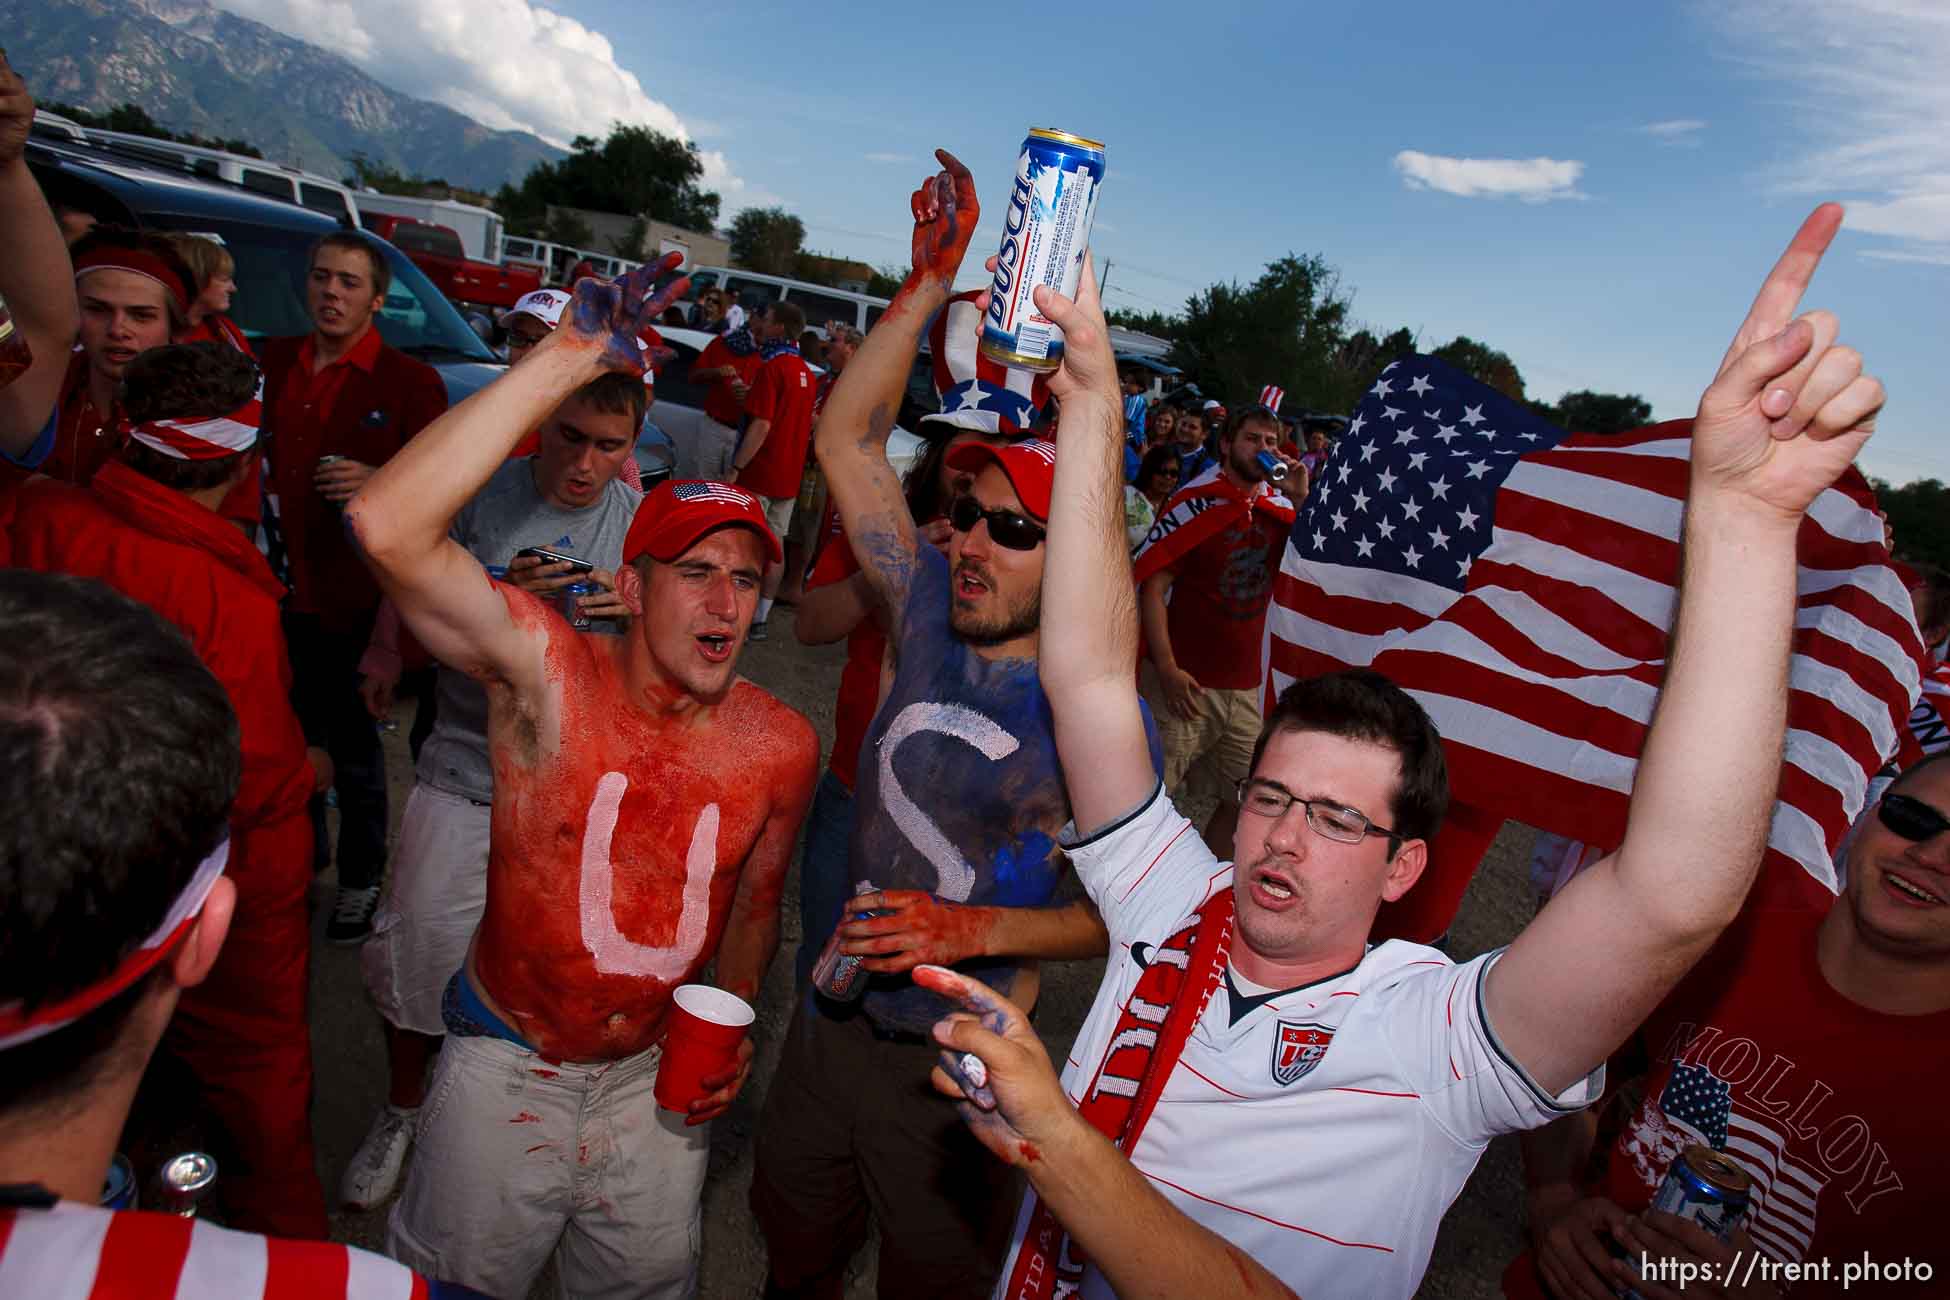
[1478, 1237]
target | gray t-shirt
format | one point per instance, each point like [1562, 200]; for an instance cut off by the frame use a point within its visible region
[506, 515]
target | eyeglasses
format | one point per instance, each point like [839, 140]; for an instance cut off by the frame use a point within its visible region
[1017, 532]
[1328, 820]
[1911, 818]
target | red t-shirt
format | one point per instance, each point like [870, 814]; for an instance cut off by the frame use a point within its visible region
[866, 645]
[721, 404]
[783, 395]
[1827, 1105]
[1218, 604]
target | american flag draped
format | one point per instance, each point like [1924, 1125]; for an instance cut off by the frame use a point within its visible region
[1519, 582]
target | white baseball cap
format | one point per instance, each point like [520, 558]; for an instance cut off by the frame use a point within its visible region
[545, 305]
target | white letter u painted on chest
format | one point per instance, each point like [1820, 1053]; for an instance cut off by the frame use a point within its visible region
[614, 954]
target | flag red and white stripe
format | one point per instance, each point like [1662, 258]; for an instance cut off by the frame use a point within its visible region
[84, 1252]
[205, 439]
[1271, 396]
[1539, 653]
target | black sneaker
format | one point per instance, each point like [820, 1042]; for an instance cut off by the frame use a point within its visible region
[351, 921]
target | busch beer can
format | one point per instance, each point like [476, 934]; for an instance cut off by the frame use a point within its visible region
[1272, 466]
[118, 1189]
[1045, 233]
[837, 975]
[1703, 1186]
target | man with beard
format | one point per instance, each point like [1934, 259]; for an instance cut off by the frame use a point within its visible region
[958, 803]
[1212, 553]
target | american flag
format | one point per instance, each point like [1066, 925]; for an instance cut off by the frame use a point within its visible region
[1271, 396]
[710, 490]
[1786, 1192]
[1519, 581]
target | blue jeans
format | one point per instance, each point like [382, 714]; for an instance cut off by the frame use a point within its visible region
[825, 883]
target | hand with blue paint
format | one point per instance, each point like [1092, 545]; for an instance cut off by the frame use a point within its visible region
[995, 1065]
[613, 315]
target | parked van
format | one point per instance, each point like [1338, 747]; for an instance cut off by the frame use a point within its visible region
[820, 303]
[292, 184]
[555, 261]
[479, 228]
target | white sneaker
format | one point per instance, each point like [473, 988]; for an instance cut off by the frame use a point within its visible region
[374, 1172]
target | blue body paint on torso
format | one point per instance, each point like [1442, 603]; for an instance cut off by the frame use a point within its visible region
[959, 790]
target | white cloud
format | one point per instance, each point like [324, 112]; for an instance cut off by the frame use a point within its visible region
[508, 64]
[1675, 130]
[889, 157]
[1534, 180]
[1862, 84]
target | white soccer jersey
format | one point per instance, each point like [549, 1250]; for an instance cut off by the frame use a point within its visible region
[1327, 1132]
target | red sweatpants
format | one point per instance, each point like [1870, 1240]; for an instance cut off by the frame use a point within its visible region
[246, 1035]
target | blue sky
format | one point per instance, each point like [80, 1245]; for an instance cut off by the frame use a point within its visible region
[1597, 190]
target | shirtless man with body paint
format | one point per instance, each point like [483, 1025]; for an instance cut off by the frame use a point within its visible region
[646, 803]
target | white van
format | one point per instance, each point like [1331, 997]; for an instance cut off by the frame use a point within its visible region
[820, 303]
[292, 184]
[479, 228]
[555, 261]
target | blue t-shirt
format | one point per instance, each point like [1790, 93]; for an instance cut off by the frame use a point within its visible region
[43, 445]
[958, 791]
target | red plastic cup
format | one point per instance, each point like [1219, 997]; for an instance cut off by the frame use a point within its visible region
[700, 1040]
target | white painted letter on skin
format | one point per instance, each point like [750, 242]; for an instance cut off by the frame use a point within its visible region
[614, 954]
[955, 877]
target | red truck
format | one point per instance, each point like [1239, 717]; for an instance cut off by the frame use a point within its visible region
[437, 251]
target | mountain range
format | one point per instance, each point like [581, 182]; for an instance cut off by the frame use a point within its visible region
[194, 67]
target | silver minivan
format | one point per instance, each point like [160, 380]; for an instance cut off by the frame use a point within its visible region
[820, 303]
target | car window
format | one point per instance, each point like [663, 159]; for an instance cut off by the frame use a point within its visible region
[270, 298]
[320, 198]
[874, 314]
[823, 307]
[267, 183]
[742, 288]
[427, 239]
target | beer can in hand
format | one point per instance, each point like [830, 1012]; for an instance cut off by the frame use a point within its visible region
[836, 974]
[1045, 233]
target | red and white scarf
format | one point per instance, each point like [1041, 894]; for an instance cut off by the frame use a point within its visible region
[1155, 1025]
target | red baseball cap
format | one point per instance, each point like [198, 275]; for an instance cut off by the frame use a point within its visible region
[674, 515]
[1030, 465]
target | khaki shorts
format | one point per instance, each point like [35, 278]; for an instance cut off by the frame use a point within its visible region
[517, 1159]
[1210, 754]
[778, 514]
[432, 903]
[712, 456]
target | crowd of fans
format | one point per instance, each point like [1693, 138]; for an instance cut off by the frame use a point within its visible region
[222, 554]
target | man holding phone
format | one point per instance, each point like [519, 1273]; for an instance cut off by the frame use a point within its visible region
[542, 523]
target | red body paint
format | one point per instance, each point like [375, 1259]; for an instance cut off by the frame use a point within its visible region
[927, 928]
[546, 1074]
[745, 756]
[526, 1117]
[1027, 1150]
[539, 1146]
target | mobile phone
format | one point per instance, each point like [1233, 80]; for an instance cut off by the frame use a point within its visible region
[547, 556]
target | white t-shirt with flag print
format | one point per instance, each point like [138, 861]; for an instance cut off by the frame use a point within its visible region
[1326, 1133]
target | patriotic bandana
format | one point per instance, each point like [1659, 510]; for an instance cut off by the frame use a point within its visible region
[204, 439]
[740, 341]
[19, 1026]
[1151, 1034]
[778, 348]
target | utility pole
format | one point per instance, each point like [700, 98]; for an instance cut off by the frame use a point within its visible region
[1103, 279]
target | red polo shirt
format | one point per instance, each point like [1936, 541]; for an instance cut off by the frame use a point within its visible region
[304, 409]
[86, 438]
[783, 395]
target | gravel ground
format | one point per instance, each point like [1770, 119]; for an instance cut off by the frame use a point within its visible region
[1478, 1237]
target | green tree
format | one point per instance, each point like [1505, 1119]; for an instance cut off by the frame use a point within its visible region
[1484, 364]
[1154, 323]
[1919, 514]
[767, 240]
[887, 280]
[1587, 412]
[568, 228]
[1284, 328]
[630, 243]
[133, 119]
[635, 170]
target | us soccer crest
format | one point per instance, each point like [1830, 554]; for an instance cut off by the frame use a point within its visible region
[1297, 1048]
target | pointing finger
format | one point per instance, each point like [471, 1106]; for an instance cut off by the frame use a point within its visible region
[1780, 294]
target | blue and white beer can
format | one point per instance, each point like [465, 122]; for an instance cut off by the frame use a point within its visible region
[1045, 233]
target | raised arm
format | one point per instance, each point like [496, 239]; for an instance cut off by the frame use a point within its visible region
[1786, 414]
[851, 438]
[1088, 652]
[401, 515]
[36, 278]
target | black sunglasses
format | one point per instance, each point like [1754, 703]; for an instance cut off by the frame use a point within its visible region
[1911, 818]
[1008, 528]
